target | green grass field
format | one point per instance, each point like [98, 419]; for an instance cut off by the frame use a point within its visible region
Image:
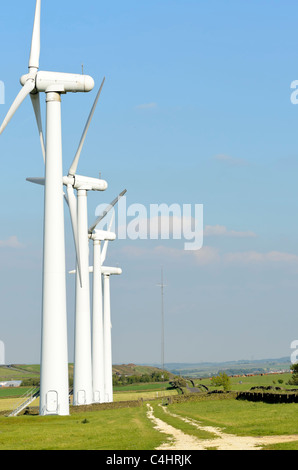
[145, 395]
[141, 387]
[130, 428]
[244, 418]
[245, 383]
[10, 398]
[121, 429]
[13, 392]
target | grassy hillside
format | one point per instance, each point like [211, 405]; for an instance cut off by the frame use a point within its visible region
[246, 383]
[208, 369]
[133, 369]
[18, 372]
[23, 372]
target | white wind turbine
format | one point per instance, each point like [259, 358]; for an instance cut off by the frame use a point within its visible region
[101, 345]
[108, 364]
[98, 355]
[101, 328]
[102, 367]
[54, 388]
[82, 386]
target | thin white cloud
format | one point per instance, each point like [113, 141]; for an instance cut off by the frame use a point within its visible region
[12, 242]
[209, 256]
[254, 257]
[221, 230]
[206, 255]
[147, 106]
[233, 161]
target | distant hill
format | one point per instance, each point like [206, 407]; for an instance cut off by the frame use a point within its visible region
[205, 369]
[133, 369]
[23, 371]
[191, 370]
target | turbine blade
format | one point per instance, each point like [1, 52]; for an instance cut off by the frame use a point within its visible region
[35, 43]
[74, 166]
[106, 211]
[66, 199]
[40, 181]
[35, 98]
[25, 91]
[106, 243]
[72, 204]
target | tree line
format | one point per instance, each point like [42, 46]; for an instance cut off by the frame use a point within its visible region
[144, 378]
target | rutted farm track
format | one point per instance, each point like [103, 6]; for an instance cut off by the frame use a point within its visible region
[177, 440]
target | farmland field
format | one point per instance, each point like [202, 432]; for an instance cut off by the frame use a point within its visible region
[246, 382]
[243, 418]
[129, 428]
[141, 387]
[121, 429]
[8, 402]
[145, 395]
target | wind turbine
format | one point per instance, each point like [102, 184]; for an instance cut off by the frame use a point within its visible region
[101, 371]
[54, 388]
[108, 371]
[99, 366]
[102, 341]
[107, 339]
[98, 355]
[82, 386]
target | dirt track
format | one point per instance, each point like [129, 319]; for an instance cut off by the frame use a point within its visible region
[177, 440]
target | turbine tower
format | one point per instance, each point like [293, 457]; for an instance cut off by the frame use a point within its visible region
[54, 389]
[99, 366]
[107, 325]
[82, 385]
[101, 328]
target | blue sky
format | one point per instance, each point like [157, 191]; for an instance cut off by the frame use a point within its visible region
[196, 109]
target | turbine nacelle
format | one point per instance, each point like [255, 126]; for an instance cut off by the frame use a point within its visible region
[108, 271]
[102, 235]
[58, 82]
[111, 271]
[85, 182]
[104, 270]
[77, 182]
